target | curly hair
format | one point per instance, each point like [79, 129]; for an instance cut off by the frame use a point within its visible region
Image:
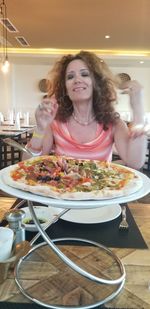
[104, 94]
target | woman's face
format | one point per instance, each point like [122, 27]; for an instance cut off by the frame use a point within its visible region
[79, 82]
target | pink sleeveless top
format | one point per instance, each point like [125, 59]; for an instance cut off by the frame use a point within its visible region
[98, 149]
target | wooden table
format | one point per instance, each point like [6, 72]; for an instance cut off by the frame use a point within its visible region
[12, 131]
[45, 276]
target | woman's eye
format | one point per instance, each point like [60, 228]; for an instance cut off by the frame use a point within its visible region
[69, 76]
[85, 74]
[73, 75]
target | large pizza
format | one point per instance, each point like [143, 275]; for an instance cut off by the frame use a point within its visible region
[68, 178]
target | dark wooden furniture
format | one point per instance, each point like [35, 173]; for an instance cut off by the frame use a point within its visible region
[147, 161]
[10, 155]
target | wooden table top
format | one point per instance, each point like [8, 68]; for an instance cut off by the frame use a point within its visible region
[47, 278]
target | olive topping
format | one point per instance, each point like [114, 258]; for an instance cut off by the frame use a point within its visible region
[81, 164]
[57, 178]
[46, 178]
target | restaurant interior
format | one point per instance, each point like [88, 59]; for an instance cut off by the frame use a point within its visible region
[34, 34]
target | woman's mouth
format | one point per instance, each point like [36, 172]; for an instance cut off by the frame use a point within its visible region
[77, 89]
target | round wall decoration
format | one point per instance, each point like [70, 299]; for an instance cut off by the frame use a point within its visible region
[124, 77]
[43, 85]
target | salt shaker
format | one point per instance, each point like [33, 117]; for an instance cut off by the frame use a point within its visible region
[14, 218]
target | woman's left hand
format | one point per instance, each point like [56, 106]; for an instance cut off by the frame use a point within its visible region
[131, 87]
[138, 130]
[134, 89]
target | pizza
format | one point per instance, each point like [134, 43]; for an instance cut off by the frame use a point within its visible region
[68, 178]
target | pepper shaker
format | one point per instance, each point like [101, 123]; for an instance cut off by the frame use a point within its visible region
[14, 218]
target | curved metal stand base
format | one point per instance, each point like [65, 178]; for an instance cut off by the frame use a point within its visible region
[106, 299]
[70, 263]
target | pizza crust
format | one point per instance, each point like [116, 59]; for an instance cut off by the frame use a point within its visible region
[134, 185]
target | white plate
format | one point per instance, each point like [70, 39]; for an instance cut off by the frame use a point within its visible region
[90, 216]
[71, 203]
[41, 212]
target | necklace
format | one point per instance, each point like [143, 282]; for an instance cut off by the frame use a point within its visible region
[83, 123]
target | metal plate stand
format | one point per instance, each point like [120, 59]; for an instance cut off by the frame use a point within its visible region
[119, 282]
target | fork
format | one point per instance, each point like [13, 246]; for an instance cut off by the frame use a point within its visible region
[123, 224]
[13, 143]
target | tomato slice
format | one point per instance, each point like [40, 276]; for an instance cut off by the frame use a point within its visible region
[17, 175]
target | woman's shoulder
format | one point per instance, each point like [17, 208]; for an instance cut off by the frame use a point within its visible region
[119, 122]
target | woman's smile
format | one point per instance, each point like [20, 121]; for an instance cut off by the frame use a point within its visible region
[79, 88]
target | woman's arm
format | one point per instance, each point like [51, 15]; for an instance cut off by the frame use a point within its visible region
[131, 143]
[42, 140]
[132, 150]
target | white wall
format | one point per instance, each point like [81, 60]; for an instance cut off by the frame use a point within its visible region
[5, 91]
[26, 92]
[19, 88]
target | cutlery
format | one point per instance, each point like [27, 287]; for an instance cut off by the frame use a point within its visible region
[123, 224]
[15, 144]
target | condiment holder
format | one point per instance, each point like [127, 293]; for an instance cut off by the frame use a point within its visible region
[13, 244]
[14, 218]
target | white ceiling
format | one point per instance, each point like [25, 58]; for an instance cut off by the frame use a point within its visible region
[82, 24]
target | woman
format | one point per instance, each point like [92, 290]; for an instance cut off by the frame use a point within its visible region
[79, 119]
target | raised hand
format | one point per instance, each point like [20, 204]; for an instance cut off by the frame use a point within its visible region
[139, 129]
[134, 89]
[46, 112]
[131, 87]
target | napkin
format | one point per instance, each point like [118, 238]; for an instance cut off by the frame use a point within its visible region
[6, 242]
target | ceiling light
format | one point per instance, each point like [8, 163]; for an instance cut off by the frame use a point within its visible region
[5, 66]
[3, 15]
[107, 36]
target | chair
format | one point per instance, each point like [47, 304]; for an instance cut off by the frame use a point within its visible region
[10, 155]
[146, 166]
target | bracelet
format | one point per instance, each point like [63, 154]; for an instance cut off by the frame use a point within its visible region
[37, 152]
[34, 154]
[38, 135]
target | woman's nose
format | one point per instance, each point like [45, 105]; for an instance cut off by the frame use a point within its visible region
[77, 79]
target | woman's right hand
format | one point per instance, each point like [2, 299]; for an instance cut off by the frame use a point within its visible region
[46, 112]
